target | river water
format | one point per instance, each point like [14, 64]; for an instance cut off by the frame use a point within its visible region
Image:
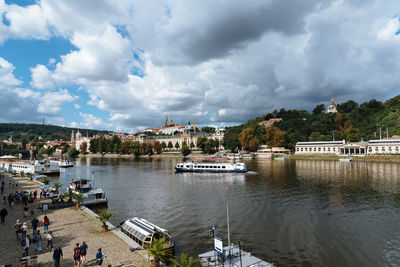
[291, 213]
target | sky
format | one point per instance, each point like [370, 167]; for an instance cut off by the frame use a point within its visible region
[126, 64]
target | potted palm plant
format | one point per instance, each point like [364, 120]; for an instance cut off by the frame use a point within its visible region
[46, 180]
[104, 216]
[159, 250]
[57, 186]
[78, 198]
[70, 194]
[185, 262]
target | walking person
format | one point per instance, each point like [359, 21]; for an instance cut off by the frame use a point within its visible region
[25, 246]
[46, 223]
[3, 214]
[77, 255]
[84, 249]
[34, 224]
[57, 254]
[24, 231]
[25, 209]
[38, 241]
[17, 227]
[49, 238]
[99, 257]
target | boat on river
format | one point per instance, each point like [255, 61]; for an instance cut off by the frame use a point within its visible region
[192, 166]
[346, 159]
[91, 196]
[144, 232]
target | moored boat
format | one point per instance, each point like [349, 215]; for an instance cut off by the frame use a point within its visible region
[90, 196]
[144, 232]
[191, 166]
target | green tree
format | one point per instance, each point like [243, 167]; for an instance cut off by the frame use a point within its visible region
[163, 145]
[78, 198]
[201, 143]
[46, 180]
[23, 144]
[209, 130]
[149, 149]
[125, 147]
[103, 216]
[185, 150]
[93, 145]
[170, 145]
[72, 152]
[177, 145]
[135, 148]
[57, 185]
[347, 107]
[352, 134]
[187, 262]
[159, 250]
[192, 145]
[314, 136]
[319, 109]
[274, 137]
[115, 142]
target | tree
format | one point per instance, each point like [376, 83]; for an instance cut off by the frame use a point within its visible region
[211, 146]
[70, 194]
[314, 136]
[192, 145]
[208, 129]
[170, 144]
[72, 152]
[318, 109]
[352, 134]
[185, 150]
[245, 137]
[159, 250]
[125, 147]
[347, 107]
[253, 144]
[149, 149]
[103, 216]
[157, 146]
[275, 137]
[339, 121]
[46, 180]
[23, 143]
[83, 148]
[93, 145]
[78, 198]
[135, 148]
[57, 186]
[177, 145]
[115, 142]
[163, 145]
[185, 262]
[201, 143]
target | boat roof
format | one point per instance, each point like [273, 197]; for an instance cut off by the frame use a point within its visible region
[143, 226]
[79, 180]
[247, 258]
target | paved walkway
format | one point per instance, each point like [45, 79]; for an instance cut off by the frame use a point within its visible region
[69, 226]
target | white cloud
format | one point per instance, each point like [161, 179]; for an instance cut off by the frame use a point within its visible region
[51, 102]
[41, 77]
[77, 106]
[93, 122]
[6, 73]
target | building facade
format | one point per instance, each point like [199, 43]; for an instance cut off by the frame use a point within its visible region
[319, 147]
[384, 147]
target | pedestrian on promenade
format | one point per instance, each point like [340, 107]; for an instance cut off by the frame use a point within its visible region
[84, 249]
[3, 214]
[25, 246]
[99, 257]
[24, 230]
[2, 188]
[38, 241]
[46, 223]
[16, 184]
[57, 254]
[35, 194]
[34, 224]
[25, 210]
[17, 227]
[77, 255]
[5, 198]
[49, 238]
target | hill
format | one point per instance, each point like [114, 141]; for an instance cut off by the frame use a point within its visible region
[353, 122]
[31, 132]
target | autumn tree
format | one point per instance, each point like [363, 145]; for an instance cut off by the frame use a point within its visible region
[352, 134]
[157, 147]
[247, 140]
[83, 148]
[275, 137]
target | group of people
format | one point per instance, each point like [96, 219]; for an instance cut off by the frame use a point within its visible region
[37, 237]
[79, 255]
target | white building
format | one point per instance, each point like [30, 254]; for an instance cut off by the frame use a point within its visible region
[384, 147]
[332, 107]
[319, 147]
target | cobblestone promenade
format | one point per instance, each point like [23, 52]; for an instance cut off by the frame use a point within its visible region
[69, 226]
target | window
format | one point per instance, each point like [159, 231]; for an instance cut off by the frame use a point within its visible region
[383, 148]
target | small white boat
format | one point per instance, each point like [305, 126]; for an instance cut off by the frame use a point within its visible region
[90, 196]
[345, 159]
[191, 166]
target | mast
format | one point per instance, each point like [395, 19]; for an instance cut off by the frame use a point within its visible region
[229, 235]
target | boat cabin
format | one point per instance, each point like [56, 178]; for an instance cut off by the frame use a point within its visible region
[144, 232]
[80, 185]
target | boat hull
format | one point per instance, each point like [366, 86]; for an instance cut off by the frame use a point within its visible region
[211, 171]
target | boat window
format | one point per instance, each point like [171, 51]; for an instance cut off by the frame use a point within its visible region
[223, 167]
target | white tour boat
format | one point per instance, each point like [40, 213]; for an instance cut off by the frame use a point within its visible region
[90, 196]
[191, 166]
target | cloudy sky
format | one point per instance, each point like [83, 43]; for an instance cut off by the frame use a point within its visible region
[127, 64]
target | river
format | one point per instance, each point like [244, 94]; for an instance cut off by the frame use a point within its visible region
[290, 213]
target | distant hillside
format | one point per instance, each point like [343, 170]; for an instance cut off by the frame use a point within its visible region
[31, 132]
[353, 122]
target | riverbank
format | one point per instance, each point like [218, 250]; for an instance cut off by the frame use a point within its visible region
[380, 158]
[69, 226]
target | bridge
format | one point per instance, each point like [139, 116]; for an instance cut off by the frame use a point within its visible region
[15, 152]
